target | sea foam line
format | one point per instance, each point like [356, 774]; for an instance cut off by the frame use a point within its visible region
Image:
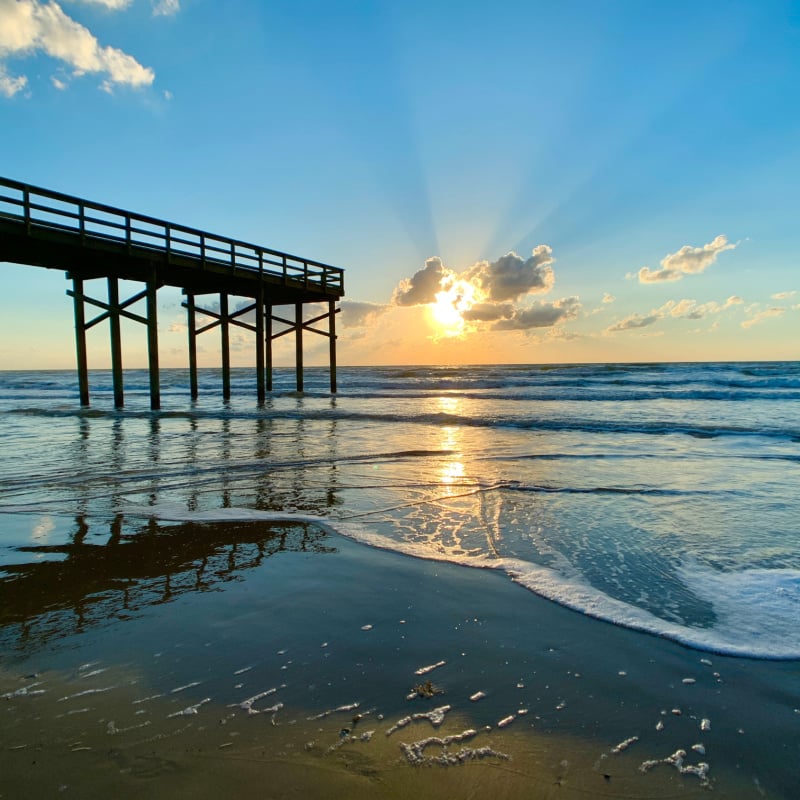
[747, 586]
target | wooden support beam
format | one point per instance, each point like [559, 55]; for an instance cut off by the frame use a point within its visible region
[116, 341]
[152, 342]
[226, 346]
[260, 336]
[80, 341]
[192, 346]
[332, 342]
[298, 342]
[268, 341]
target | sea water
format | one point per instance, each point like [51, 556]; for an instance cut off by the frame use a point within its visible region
[660, 497]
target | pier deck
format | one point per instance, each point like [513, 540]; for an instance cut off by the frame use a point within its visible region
[90, 240]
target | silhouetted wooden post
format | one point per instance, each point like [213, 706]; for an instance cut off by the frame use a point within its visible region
[226, 346]
[190, 312]
[152, 342]
[80, 341]
[268, 342]
[116, 342]
[262, 395]
[298, 341]
[332, 342]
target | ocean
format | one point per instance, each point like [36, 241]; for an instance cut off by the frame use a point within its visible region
[603, 556]
[662, 497]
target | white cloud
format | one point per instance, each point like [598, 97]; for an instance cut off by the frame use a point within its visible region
[10, 85]
[28, 27]
[608, 298]
[59, 84]
[762, 315]
[686, 261]
[733, 300]
[165, 8]
[783, 295]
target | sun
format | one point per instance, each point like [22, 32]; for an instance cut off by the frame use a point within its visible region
[449, 307]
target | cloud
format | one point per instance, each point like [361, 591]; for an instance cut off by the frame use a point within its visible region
[733, 300]
[686, 261]
[783, 295]
[112, 5]
[165, 8]
[9, 85]
[608, 298]
[511, 276]
[424, 285]
[29, 27]
[634, 321]
[762, 315]
[488, 312]
[540, 315]
[358, 315]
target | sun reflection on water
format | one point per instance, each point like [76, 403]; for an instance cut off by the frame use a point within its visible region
[452, 471]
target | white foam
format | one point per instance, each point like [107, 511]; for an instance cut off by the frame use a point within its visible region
[741, 600]
[755, 609]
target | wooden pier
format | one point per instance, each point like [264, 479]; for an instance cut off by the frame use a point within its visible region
[93, 241]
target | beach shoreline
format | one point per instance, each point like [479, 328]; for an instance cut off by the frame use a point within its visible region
[329, 623]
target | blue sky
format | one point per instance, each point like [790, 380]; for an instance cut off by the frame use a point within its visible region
[416, 144]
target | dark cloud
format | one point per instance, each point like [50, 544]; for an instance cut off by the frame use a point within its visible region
[540, 315]
[511, 276]
[488, 312]
[423, 286]
[357, 314]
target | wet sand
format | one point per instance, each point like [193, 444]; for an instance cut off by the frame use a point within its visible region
[257, 660]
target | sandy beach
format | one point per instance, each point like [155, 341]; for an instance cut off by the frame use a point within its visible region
[283, 660]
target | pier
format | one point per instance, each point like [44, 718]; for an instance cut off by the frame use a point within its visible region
[91, 241]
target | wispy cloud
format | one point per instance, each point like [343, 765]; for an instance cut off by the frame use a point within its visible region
[166, 8]
[686, 261]
[677, 309]
[112, 5]
[634, 322]
[783, 295]
[28, 27]
[760, 316]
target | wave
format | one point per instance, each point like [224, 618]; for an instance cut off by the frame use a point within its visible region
[756, 609]
[654, 427]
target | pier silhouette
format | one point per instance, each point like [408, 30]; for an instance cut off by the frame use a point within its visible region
[91, 241]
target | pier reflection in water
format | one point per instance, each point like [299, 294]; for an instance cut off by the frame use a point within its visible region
[58, 589]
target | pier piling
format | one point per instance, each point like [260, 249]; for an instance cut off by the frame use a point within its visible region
[90, 241]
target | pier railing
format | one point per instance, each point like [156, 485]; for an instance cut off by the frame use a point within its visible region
[42, 210]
